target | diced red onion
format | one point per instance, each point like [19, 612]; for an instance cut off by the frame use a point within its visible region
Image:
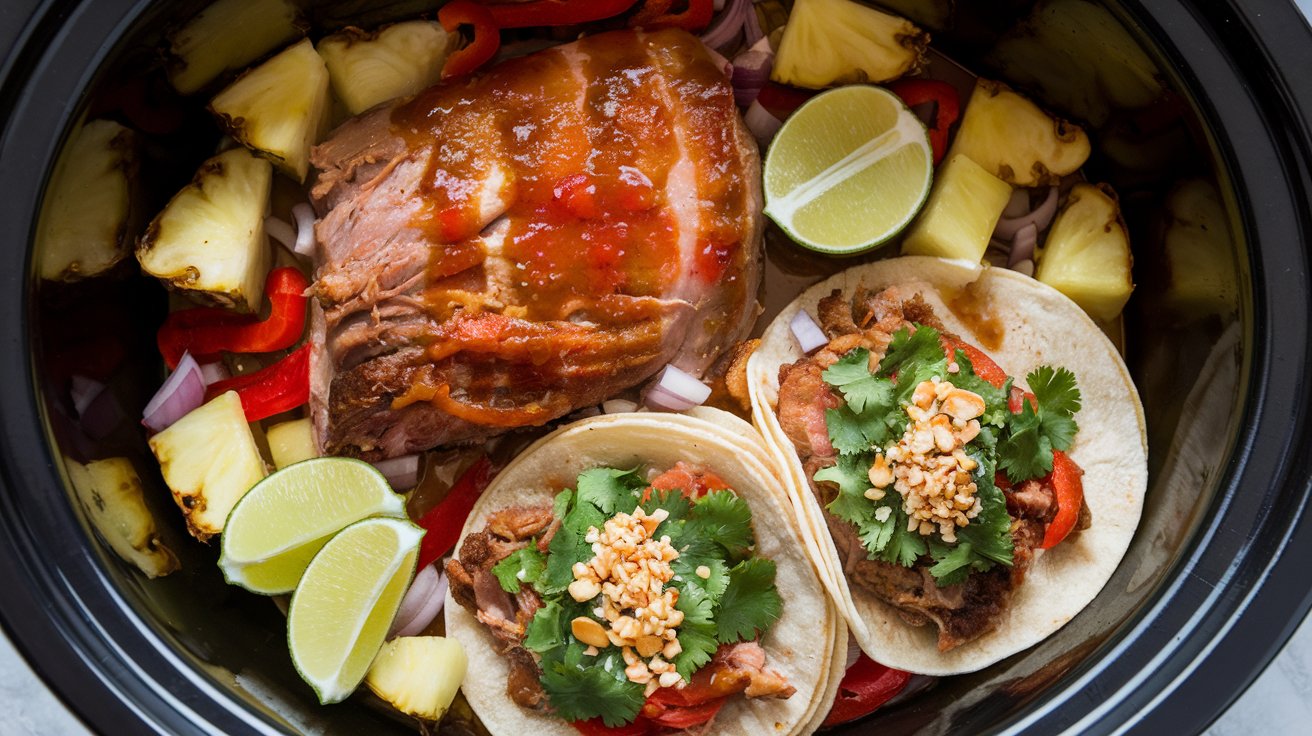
[402, 473]
[751, 71]
[281, 231]
[421, 604]
[808, 334]
[304, 230]
[618, 406]
[1022, 245]
[183, 391]
[728, 25]
[752, 28]
[1040, 217]
[1018, 205]
[214, 372]
[677, 390]
[722, 63]
[763, 125]
[83, 391]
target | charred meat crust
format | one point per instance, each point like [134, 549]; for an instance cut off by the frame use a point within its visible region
[962, 612]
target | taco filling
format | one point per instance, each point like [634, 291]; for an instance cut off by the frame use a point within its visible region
[939, 478]
[627, 601]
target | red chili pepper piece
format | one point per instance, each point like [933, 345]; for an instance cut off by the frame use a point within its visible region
[596, 727]
[947, 107]
[654, 15]
[487, 36]
[980, 362]
[1069, 488]
[444, 521]
[209, 331]
[275, 389]
[866, 686]
[556, 12]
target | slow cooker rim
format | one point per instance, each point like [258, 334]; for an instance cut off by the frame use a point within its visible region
[44, 626]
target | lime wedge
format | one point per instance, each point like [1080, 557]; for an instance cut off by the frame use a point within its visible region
[346, 601]
[275, 530]
[848, 170]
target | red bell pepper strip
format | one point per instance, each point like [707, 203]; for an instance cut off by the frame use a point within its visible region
[683, 717]
[980, 362]
[208, 331]
[487, 36]
[274, 389]
[655, 15]
[947, 107]
[866, 686]
[444, 521]
[555, 12]
[1069, 488]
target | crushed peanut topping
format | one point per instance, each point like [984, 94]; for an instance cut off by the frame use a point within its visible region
[629, 570]
[928, 466]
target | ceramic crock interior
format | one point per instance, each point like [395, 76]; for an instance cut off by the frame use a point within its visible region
[1181, 342]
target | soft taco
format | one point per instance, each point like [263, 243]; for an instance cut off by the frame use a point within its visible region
[964, 448]
[641, 574]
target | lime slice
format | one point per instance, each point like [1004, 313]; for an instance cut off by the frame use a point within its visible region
[848, 170]
[346, 601]
[275, 530]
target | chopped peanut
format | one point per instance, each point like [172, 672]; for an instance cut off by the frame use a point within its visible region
[589, 632]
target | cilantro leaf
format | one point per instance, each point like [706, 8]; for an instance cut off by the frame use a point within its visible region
[1025, 451]
[882, 533]
[851, 475]
[724, 518]
[523, 566]
[581, 687]
[714, 585]
[996, 411]
[917, 350]
[952, 563]
[852, 367]
[851, 433]
[610, 490]
[568, 546]
[546, 630]
[675, 504]
[1055, 389]
[697, 632]
[863, 392]
[751, 603]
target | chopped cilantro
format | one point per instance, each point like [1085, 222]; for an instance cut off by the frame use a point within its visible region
[996, 411]
[523, 566]
[697, 632]
[582, 687]
[685, 567]
[1026, 450]
[547, 629]
[568, 546]
[610, 490]
[862, 391]
[725, 519]
[751, 603]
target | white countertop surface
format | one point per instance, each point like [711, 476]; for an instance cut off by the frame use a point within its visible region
[1279, 702]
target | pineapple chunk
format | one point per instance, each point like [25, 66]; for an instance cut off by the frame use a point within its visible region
[962, 211]
[110, 493]
[1087, 253]
[1080, 58]
[84, 222]
[209, 241]
[1015, 140]
[419, 675]
[291, 442]
[1199, 251]
[280, 108]
[829, 42]
[209, 461]
[398, 61]
[229, 34]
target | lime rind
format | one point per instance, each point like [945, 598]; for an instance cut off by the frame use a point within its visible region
[277, 527]
[906, 131]
[345, 603]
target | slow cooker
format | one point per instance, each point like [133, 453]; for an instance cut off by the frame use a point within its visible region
[1211, 588]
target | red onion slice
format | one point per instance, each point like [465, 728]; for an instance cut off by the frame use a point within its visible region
[752, 27]
[677, 390]
[402, 472]
[762, 124]
[183, 391]
[808, 334]
[305, 242]
[421, 604]
[214, 372]
[728, 25]
[751, 72]
[1018, 205]
[281, 231]
[1022, 245]
[1040, 217]
[83, 391]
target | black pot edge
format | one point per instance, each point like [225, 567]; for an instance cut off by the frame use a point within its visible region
[1244, 618]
